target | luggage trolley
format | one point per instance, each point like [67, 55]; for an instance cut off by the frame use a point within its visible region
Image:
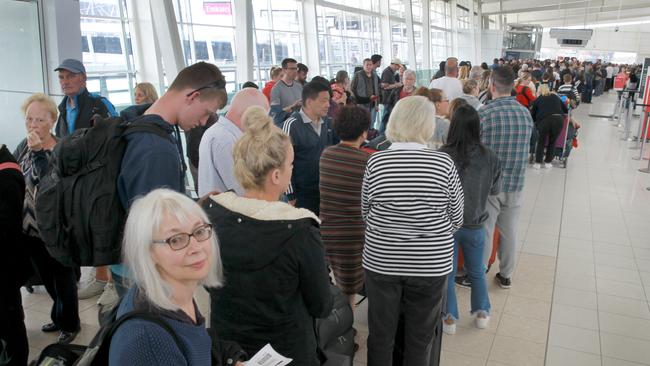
[564, 142]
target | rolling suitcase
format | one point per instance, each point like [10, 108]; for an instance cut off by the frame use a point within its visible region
[436, 347]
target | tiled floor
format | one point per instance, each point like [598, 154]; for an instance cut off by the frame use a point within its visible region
[581, 290]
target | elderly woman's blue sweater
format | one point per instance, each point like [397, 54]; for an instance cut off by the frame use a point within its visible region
[141, 342]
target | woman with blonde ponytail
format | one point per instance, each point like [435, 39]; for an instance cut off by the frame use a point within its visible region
[276, 281]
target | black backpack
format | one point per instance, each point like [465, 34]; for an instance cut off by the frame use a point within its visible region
[78, 210]
[96, 354]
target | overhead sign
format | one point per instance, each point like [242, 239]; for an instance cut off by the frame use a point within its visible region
[217, 8]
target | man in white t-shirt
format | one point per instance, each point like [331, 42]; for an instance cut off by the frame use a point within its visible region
[449, 83]
[609, 82]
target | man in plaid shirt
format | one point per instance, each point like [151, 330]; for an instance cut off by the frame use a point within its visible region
[506, 127]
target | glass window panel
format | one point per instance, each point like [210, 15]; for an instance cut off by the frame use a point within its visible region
[396, 8]
[216, 44]
[117, 84]
[416, 8]
[201, 49]
[120, 98]
[263, 47]
[285, 15]
[352, 25]
[104, 41]
[372, 5]
[84, 44]
[92, 84]
[287, 45]
[102, 8]
[212, 12]
[261, 14]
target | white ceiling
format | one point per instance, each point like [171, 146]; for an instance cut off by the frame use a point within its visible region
[569, 12]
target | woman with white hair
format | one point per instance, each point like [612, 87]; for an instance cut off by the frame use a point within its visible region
[272, 252]
[170, 249]
[412, 203]
[33, 155]
[407, 89]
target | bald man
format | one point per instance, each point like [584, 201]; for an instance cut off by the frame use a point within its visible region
[449, 83]
[215, 150]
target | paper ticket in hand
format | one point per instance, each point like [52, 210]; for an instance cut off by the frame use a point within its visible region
[267, 356]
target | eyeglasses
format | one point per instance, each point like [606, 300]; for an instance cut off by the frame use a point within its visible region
[291, 68]
[219, 84]
[182, 240]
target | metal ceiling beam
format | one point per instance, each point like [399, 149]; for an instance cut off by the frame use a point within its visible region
[522, 7]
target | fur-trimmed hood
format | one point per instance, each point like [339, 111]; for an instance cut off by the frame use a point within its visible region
[254, 233]
[262, 210]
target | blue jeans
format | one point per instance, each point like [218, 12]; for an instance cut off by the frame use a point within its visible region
[472, 242]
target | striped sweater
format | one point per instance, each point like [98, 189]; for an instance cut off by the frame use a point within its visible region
[412, 202]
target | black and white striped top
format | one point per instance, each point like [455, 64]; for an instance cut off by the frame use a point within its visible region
[412, 203]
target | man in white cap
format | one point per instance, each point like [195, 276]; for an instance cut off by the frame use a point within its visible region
[389, 82]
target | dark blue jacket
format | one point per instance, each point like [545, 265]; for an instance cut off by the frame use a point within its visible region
[151, 162]
[88, 105]
[307, 148]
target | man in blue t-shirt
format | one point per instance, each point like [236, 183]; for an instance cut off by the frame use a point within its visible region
[78, 105]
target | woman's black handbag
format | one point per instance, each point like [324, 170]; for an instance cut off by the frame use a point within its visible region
[334, 334]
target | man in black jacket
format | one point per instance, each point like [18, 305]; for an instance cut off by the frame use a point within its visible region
[76, 111]
[15, 267]
[311, 132]
[78, 106]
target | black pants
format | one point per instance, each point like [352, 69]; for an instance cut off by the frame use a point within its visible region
[609, 83]
[61, 284]
[419, 299]
[13, 335]
[586, 94]
[550, 127]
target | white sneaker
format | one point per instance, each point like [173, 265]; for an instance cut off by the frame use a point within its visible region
[536, 166]
[449, 328]
[548, 165]
[93, 289]
[109, 296]
[482, 321]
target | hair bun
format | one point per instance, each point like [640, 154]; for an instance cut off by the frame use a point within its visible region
[256, 120]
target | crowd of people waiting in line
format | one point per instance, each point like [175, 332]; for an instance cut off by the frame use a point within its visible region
[295, 181]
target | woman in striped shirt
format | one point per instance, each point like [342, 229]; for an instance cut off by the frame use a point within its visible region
[341, 175]
[412, 203]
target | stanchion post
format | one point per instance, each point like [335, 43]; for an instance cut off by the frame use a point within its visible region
[643, 131]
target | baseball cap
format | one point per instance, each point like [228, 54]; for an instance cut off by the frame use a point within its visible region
[72, 65]
[396, 61]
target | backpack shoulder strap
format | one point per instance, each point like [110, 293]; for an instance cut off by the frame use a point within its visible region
[147, 128]
[10, 165]
[148, 317]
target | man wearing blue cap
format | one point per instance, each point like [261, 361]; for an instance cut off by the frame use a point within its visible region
[78, 106]
[76, 111]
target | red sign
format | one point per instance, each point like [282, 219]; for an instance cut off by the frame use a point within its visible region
[217, 8]
[646, 94]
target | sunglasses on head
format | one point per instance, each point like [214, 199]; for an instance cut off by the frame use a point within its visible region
[215, 84]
